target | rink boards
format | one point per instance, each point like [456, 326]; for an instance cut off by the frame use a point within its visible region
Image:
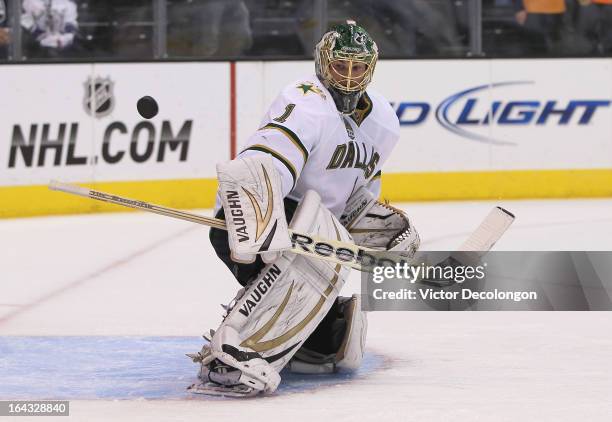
[470, 129]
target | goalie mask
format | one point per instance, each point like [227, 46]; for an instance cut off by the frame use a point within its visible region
[344, 60]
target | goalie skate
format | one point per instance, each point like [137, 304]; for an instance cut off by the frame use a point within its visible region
[211, 389]
[220, 379]
[229, 384]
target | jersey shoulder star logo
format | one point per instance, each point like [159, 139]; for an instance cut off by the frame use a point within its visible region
[307, 87]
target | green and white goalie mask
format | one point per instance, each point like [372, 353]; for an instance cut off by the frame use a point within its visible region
[345, 59]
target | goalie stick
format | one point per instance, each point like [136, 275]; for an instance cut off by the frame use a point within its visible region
[344, 253]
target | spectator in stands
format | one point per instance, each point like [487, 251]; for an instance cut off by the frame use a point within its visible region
[204, 28]
[415, 27]
[595, 23]
[543, 22]
[5, 39]
[119, 28]
[50, 27]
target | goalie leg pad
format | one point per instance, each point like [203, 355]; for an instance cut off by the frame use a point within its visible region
[347, 354]
[351, 351]
[282, 307]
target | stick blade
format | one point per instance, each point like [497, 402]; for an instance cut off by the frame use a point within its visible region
[489, 232]
[65, 187]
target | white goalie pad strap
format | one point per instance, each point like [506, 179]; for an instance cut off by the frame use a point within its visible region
[380, 226]
[251, 196]
[284, 305]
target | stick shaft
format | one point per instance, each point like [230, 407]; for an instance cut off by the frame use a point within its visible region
[299, 247]
[139, 205]
[489, 231]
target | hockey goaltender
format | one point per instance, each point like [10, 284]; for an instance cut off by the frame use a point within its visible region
[313, 166]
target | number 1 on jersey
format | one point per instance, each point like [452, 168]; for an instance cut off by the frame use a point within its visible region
[282, 118]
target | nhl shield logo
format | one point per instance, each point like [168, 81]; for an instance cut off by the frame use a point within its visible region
[99, 99]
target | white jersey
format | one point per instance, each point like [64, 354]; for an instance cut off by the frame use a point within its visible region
[49, 16]
[316, 147]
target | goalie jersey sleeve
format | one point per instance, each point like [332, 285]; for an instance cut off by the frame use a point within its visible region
[289, 131]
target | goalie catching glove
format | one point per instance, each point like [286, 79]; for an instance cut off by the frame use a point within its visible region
[380, 226]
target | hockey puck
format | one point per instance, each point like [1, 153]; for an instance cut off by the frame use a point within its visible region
[147, 107]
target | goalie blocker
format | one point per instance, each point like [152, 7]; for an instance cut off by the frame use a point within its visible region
[251, 195]
[256, 216]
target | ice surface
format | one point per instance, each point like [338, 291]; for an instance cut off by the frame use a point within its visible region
[123, 367]
[134, 279]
